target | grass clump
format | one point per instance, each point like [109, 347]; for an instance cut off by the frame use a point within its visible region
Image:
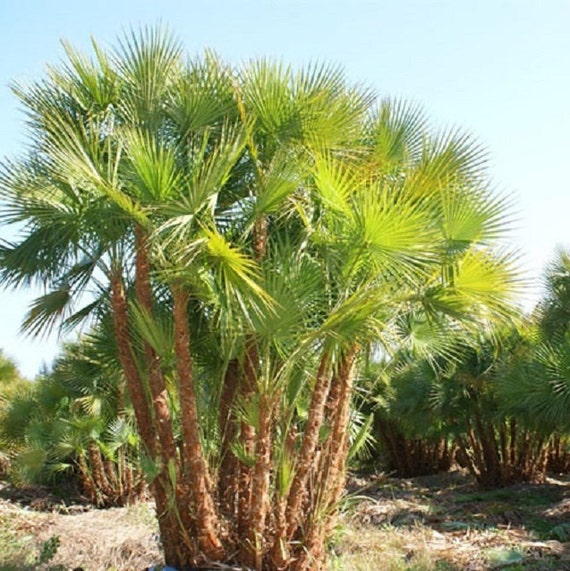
[16, 550]
[21, 553]
[390, 548]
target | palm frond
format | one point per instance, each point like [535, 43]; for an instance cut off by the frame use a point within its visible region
[336, 182]
[158, 332]
[486, 281]
[153, 170]
[276, 182]
[452, 155]
[149, 63]
[203, 97]
[392, 233]
[472, 215]
[46, 311]
[235, 270]
[397, 131]
[266, 91]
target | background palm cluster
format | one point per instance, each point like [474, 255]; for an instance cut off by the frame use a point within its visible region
[500, 408]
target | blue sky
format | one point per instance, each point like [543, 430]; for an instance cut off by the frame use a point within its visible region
[496, 68]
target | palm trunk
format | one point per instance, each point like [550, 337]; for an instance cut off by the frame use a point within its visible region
[338, 441]
[279, 551]
[329, 479]
[229, 464]
[247, 392]
[513, 440]
[174, 489]
[87, 482]
[288, 507]
[134, 382]
[249, 543]
[173, 552]
[156, 378]
[99, 475]
[492, 475]
[394, 446]
[207, 518]
[261, 476]
[260, 238]
[306, 455]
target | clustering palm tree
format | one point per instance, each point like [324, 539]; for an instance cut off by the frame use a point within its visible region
[537, 388]
[11, 384]
[553, 311]
[413, 436]
[75, 421]
[255, 234]
[501, 399]
[497, 444]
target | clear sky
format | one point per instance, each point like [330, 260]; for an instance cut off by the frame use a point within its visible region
[497, 68]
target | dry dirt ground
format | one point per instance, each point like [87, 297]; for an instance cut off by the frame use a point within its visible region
[444, 523]
[438, 523]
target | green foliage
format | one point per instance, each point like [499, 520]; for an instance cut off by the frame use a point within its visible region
[48, 550]
[554, 309]
[53, 426]
[12, 385]
[18, 553]
[501, 557]
[303, 222]
[486, 395]
[560, 532]
[538, 386]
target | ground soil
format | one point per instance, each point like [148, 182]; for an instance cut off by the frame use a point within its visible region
[459, 527]
[433, 523]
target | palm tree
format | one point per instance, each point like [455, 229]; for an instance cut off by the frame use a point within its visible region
[75, 420]
[255, 233]
[535, 387]
[485, 398]
[499, 444]
[11, 384]
[553, 311]
[413, 436]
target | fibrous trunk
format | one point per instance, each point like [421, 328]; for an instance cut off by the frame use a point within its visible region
[174, 550]
[407, 457]
[236, 514]
[502, 453]
[309, 505]
[196, 477]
